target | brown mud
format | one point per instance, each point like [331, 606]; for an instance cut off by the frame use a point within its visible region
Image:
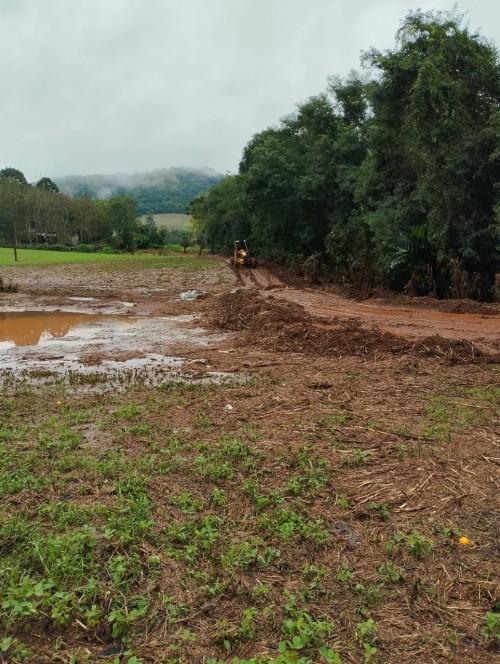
[156, 292]
[163, 313]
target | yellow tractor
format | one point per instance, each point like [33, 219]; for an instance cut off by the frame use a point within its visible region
[242, 257]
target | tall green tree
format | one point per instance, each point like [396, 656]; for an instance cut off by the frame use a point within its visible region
[13, 203]
[10, 173]
[48, 185]
[124, 222]
[429, 188]
[222, 215]
[289, 181]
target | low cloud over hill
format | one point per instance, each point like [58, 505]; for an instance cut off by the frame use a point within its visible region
[161, 190]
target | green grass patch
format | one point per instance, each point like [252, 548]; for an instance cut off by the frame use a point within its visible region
[28, 257]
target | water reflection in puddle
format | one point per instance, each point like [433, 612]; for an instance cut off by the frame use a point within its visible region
[98, 352]
[32, 328]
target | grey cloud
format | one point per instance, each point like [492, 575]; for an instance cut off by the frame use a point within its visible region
[125, 86]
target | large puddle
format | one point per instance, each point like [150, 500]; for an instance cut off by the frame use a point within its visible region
[35, 328]
[98, 352]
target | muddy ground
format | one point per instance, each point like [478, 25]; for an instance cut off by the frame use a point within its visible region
[398, 398]
[146, 295]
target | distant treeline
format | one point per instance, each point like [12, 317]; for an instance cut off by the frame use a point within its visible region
[162, 190]
[95, 213]
[389, 178]
[40, 215]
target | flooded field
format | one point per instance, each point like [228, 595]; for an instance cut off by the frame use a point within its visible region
[41, 328]
[102, 351]
[99, 329]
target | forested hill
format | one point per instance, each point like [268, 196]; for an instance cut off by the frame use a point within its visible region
[162, 190]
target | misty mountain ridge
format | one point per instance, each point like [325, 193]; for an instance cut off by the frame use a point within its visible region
[156, 191]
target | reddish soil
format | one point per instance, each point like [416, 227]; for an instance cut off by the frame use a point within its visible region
[156, 292]
[411, 320]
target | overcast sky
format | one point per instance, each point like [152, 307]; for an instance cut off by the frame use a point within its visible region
[120, 86]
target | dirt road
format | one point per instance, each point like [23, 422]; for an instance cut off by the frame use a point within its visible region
[412, 320]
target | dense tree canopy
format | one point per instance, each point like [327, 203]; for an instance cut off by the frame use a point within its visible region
[430, 180]
[391, 178]
[10, 173]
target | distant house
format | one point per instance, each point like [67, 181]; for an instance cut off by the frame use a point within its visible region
[45, 238]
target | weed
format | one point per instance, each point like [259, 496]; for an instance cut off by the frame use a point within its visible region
[401, 451]
[12, 648]
[259, 590]
[369, 594]
[390, 573]
[344, 503]
[185, 502]
[491, 629]
[249, 553]
[417, 544]
[140, 430]
[41, 373]
[62, 514]
[211, 586]
[380, 509]
[174, 611]
[249, 429]
[300, 629]
[128, 411]
[193, 537]
[437, 409]
[446, 531]
[355, 457]
[315, 572]
[123, 617]
[343, 573]
[366, 633]
[335, 419]
[251, 488]
[92, 378]
[440, 433]
[247, 628]
[202, 421]
[489, 393]
[215, 471]
[287, 524]
[218, 497]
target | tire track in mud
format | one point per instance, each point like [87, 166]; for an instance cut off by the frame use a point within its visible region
[258, 278]
[408, 322]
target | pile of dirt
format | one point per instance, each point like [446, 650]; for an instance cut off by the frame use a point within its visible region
[351, 339]
[246, 310]
[286, 327]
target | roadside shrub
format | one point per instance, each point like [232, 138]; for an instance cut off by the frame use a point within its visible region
[109, 250]
[58, 247]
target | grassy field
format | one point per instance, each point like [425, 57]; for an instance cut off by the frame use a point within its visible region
[170, 221]
[39, 257]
